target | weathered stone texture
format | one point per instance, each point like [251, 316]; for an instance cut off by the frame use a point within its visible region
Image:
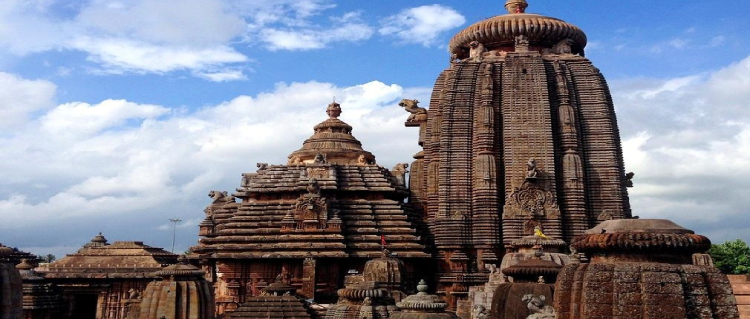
[10, 286]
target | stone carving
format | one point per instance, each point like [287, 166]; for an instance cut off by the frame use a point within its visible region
[320, 158]
[531, 201]
[476, 51]
[516, 6]
[262, 166]
[294, 160]
[563, 47]
[218, 196]
[362, 160]
[629, 179]
[485, 171]
[538, 308]
[605, 215]
[480, 312]
[313, 187]
[399, 171]
[531, 170]
[492, 268]
[318, 172]
[522, 44]
[133, 294]
[418, 114]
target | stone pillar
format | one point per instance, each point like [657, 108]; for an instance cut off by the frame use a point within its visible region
[309, 268]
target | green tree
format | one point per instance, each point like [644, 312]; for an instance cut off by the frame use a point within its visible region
[46, 258]
[731, 257]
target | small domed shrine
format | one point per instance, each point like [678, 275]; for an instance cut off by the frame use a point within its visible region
[329, 210]
[182, 293]
[520, 134]
[10, 286]
[278, 300]
[642, 268]
[422, 306]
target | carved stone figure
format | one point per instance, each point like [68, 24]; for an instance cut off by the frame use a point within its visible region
[492, 268]
[476, 51]
[218, 196]
[362, 160]
[538, 308]
[531, 172]
[563, 47]
[522, 43]
[320, 158]
[418, 114]
[480, 312]
[294, 160]
[629, 179]
[262, 166]
[312, 187]
[399, 171]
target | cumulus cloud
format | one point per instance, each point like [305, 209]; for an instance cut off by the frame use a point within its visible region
[20, 98]
[422, 25]
[300, 35]
[203, 37]
[126, 167]
[688, 141]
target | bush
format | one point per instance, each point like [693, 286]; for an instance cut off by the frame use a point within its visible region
[731, 257]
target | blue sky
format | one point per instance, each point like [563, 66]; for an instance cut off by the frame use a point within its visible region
[116, 115]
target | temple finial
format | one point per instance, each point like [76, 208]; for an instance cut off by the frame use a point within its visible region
[516, 6]
[334, 109]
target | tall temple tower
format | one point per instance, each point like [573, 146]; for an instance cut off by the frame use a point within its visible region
[520, 134]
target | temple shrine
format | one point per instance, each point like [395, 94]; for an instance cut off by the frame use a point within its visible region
[314, 220]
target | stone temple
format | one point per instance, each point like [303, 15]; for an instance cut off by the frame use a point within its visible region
[516, 207]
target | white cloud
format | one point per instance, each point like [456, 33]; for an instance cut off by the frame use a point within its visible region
[348, 28]
[688, 141]
[127, 167]
[84, 118]
[422, 25]
[20, 98]
[121, 55]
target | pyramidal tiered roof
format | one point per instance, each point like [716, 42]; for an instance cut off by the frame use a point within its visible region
[331, 200]
[122, 259]
[333, 138]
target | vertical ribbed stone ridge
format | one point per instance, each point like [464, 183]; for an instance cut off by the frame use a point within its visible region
[520, 133]
[183, 293]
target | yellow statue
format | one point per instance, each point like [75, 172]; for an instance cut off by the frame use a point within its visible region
[538, 233]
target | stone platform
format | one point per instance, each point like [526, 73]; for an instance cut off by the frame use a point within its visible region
[741, 288]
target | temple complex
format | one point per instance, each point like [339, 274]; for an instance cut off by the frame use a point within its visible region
[516, 207]
[322, 215]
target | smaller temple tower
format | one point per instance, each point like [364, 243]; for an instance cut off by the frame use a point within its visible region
[182, 293]
[326, 212]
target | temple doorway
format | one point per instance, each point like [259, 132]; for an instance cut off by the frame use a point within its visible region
[84, 306]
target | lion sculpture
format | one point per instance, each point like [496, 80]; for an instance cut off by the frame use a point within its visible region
[418, 114]
[538, 308]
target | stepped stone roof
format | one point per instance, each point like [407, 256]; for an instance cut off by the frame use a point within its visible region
[334, 138]
[330, 201]
[122, 259]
